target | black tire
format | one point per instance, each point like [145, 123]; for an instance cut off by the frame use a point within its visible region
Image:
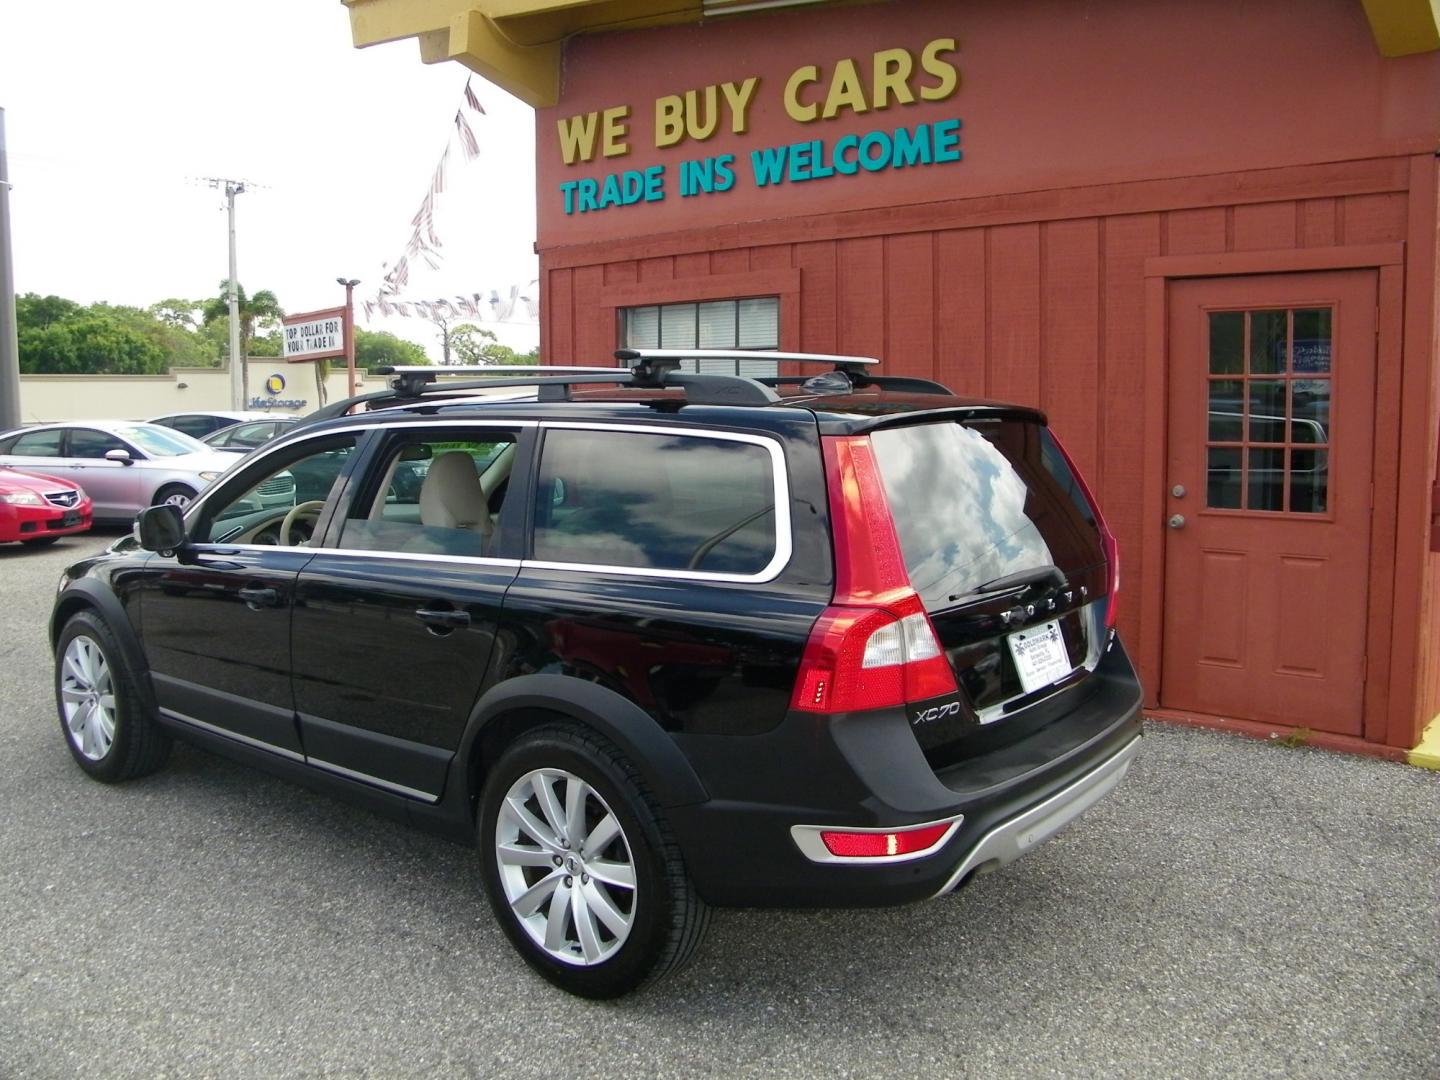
[667, 919]
[174, 492]
[40, 541]
[137, 746]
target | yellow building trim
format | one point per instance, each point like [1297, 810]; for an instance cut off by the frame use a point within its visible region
[517, 44]
[1403, 27]
[1427, 752]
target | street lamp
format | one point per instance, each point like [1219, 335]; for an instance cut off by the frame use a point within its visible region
[349, 284]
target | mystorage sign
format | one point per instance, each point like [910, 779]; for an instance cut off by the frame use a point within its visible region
[888, 79]
[314, 335]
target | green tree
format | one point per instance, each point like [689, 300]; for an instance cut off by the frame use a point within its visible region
[38, 311]
[95, 342]
[471, 344]
[179, 313]
[378, 349]
[260, 311]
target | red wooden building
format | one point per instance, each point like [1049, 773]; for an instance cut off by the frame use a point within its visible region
[1203, 237]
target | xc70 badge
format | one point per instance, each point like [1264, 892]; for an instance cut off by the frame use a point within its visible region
[935, 712]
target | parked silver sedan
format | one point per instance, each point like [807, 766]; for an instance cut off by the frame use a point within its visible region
[125, 466]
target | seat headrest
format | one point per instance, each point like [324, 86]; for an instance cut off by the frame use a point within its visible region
[450, 497]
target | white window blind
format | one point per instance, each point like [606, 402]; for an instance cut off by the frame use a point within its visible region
[751, 324]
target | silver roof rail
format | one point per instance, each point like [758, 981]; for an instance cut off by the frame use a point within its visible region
[645, 356]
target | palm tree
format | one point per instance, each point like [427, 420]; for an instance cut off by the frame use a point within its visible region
[260, 308]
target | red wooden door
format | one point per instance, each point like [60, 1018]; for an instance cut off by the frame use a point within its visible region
[1270, 456]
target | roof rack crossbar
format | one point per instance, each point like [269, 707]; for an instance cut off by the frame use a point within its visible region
[671, 358]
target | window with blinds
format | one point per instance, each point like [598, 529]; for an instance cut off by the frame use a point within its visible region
[714, 324]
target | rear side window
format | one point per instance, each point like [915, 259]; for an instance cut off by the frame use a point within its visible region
[976, 503]
[655, 502]
[38, 444]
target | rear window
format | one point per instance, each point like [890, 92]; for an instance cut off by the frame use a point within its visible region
[977, 502]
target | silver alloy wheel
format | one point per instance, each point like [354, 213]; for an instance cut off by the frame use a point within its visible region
[87, 698]
[178, 499]
[566, 867]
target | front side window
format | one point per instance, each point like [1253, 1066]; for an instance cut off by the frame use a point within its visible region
[715, 324]
[434, 493]
[655, 502]
[89, 443]
[281, 503]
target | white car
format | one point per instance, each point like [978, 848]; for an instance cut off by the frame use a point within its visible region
[126, 466]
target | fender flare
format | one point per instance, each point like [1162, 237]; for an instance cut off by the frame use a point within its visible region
[648, 746]
[86, 594]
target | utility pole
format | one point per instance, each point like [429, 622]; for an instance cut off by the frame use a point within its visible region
[349, 284]
[239, 367]
[9, 343]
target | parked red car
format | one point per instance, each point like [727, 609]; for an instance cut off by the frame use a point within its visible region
[37, 509]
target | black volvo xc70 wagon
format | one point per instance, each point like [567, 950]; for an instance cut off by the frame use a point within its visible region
[654, 640]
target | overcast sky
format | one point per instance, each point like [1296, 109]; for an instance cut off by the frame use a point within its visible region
[114, 111]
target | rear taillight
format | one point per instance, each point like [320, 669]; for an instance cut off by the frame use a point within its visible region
[1107, 538]
[874, 647]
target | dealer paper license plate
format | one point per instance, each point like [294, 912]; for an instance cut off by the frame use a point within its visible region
[1040, 656]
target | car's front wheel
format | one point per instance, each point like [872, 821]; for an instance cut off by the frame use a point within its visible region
[176, 495]
[107, 725]
[580, 866]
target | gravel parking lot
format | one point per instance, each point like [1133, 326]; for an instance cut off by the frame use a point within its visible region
[1234, 909]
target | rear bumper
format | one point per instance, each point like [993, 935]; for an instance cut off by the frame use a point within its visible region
[1013, 837]
[868, 772]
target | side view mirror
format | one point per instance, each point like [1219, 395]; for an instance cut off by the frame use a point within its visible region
[160, 528]
[122, 456]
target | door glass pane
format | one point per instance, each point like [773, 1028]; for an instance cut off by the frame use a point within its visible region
[1226, 411]
[1222, 488]
[1309, 481]
[89, 443]
[1227, 342]
[1312, 340]
[1265, 489]
[1267, 342]
[1267, 411]
[1277, 392]
[1310, 408]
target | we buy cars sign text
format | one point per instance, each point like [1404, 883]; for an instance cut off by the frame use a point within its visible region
[314, 335]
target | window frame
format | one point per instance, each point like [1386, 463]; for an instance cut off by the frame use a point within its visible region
[784, 541]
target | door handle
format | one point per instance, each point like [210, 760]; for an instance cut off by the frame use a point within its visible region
[448, 618]
[1177, 521]
[257, 598]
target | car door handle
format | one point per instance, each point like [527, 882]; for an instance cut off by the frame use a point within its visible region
[448, 618]
[259, 597]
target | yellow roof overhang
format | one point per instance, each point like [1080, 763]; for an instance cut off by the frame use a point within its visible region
[516, 44]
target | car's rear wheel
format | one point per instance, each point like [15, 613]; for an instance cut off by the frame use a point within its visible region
[580, 866]
[109, 730]
[177, 495]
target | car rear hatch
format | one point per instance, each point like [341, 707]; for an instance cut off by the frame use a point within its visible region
[1012, 562]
